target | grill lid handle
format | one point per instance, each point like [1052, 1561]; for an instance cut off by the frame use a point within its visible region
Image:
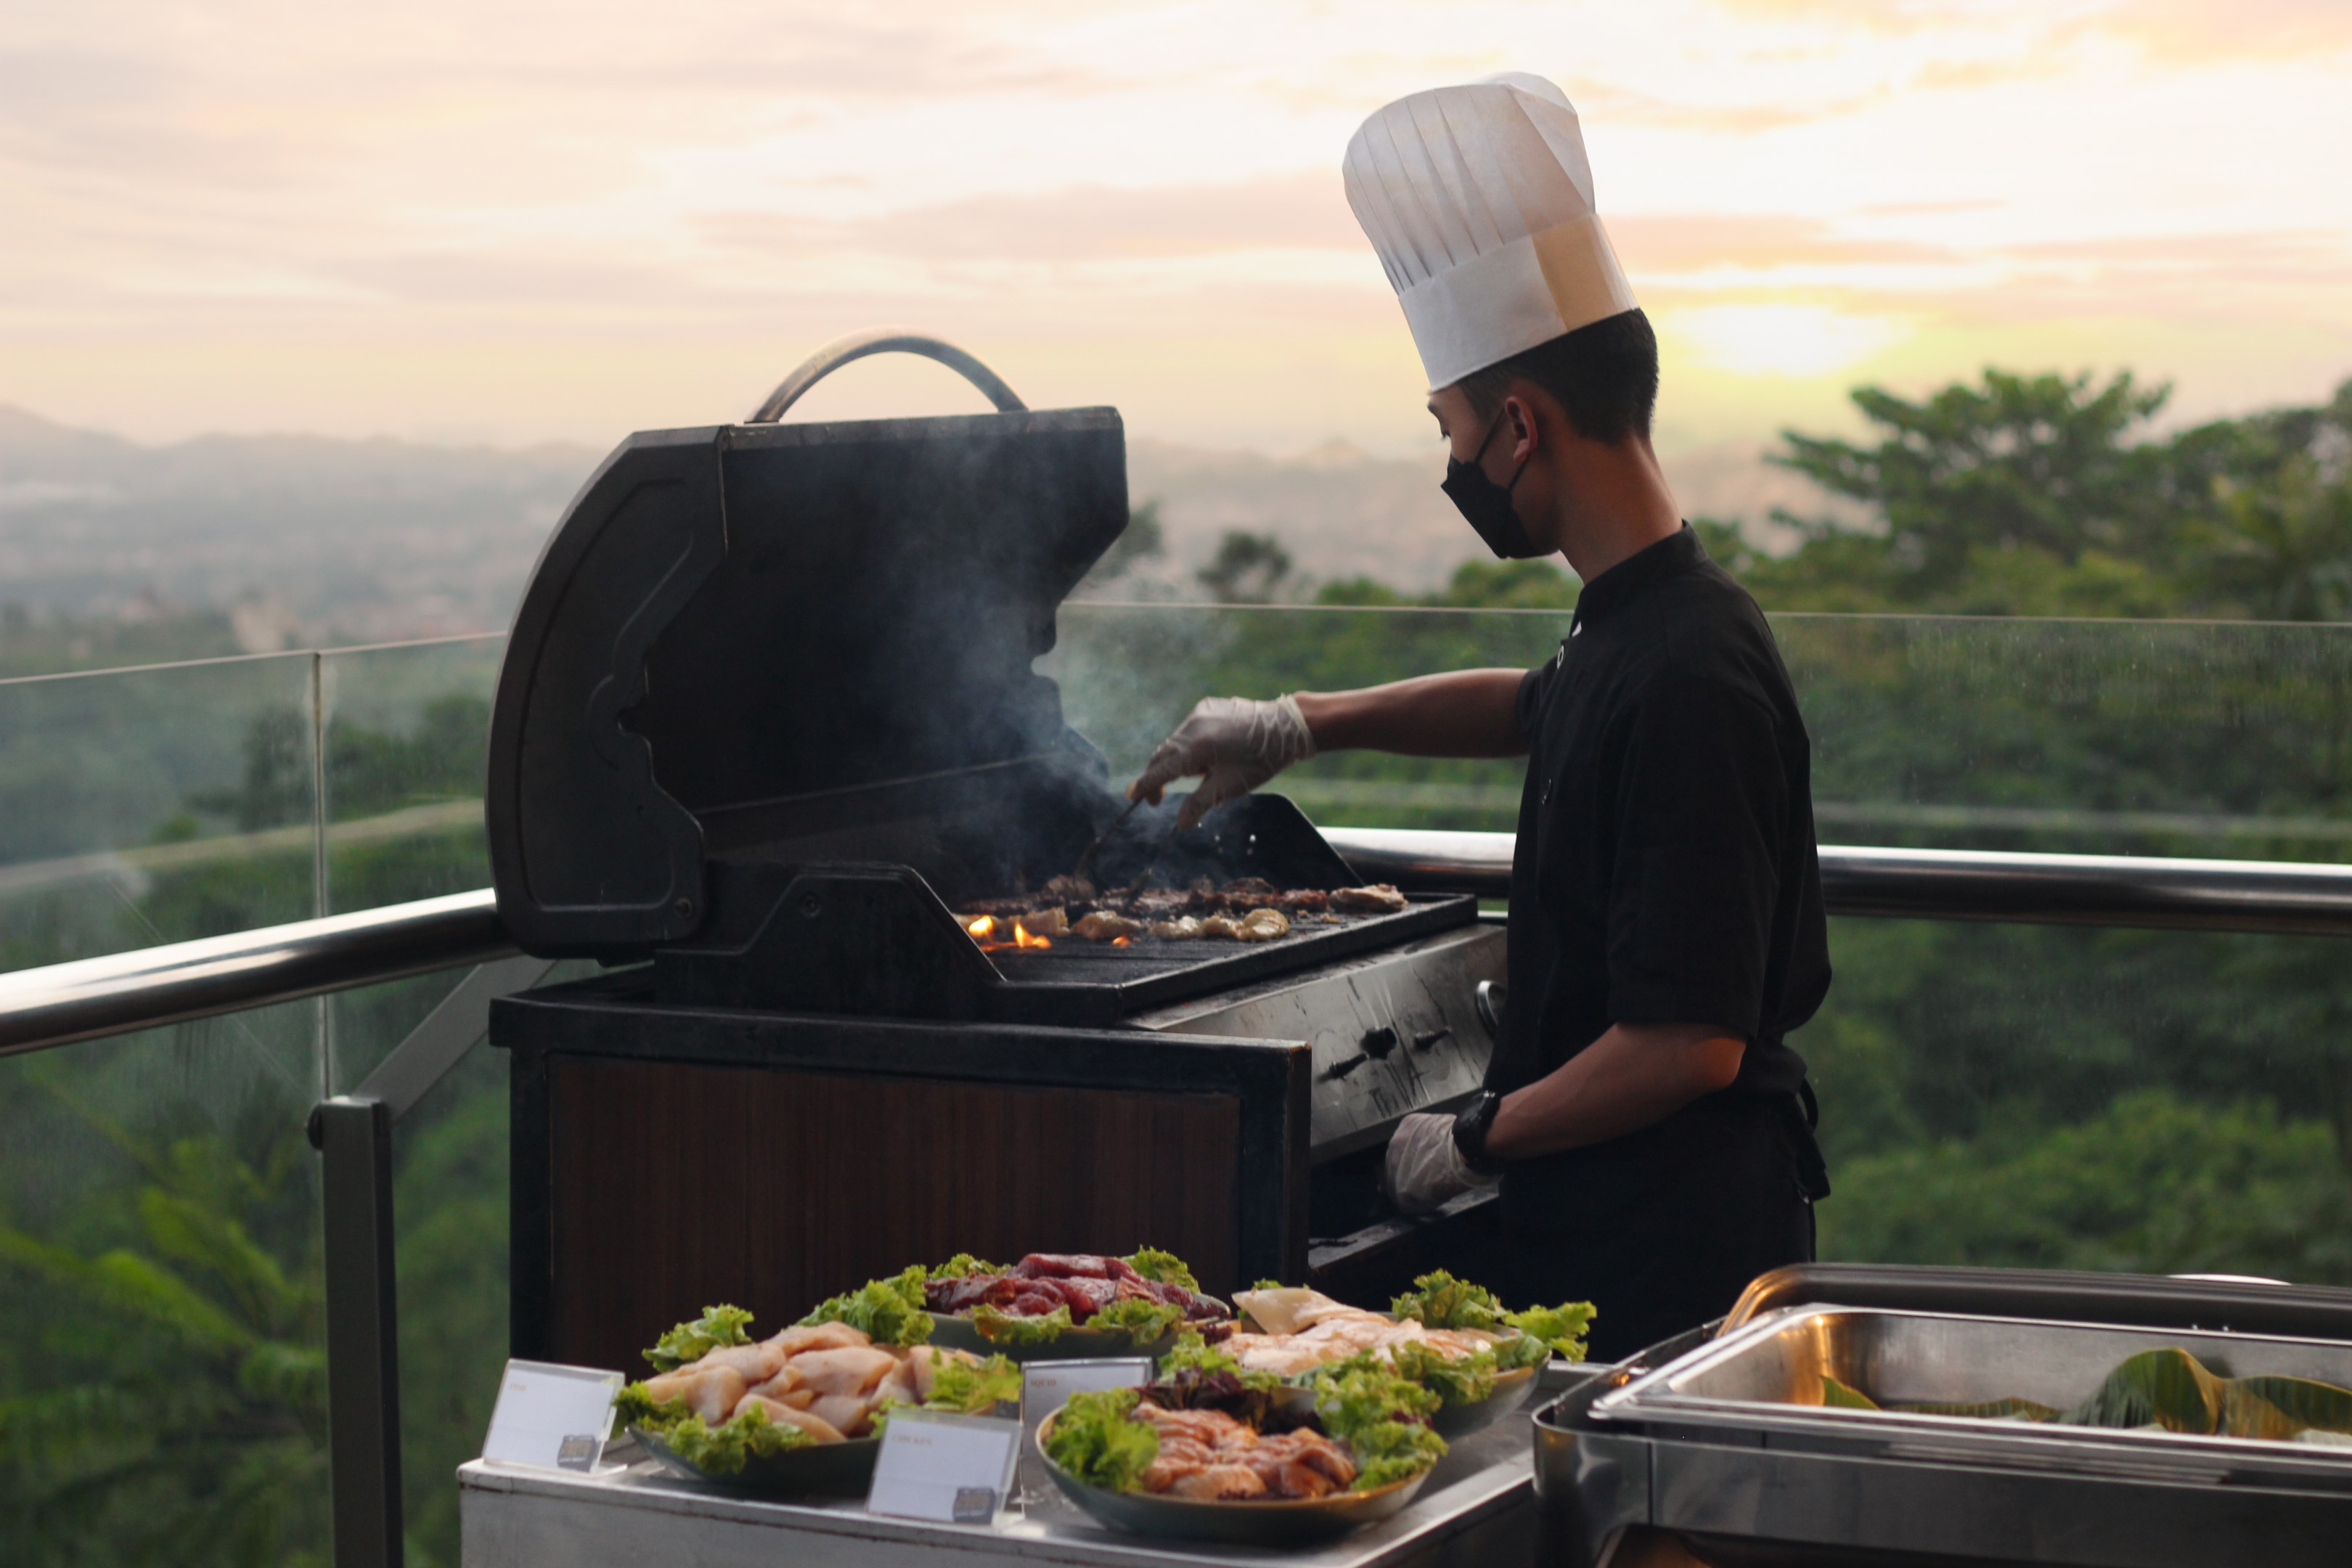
[877, 340]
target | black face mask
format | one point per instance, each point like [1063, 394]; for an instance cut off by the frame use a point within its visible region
[1487, 505]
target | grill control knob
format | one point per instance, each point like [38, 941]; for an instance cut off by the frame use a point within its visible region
[1429, 1037]
[1378, 1043]
[1341, 1069]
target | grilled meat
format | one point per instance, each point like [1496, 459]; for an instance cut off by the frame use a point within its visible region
[1249, 908]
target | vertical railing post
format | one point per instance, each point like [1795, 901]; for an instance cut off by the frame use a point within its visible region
[353, 1134]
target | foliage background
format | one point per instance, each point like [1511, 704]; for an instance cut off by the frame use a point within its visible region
[2032, 1095]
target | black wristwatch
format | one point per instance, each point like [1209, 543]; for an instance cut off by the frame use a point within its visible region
[1470, 1127]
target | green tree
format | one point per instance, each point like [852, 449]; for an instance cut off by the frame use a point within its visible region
[174, 1408]
[1248, 569]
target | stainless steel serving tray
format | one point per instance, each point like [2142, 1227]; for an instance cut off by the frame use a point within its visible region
[1764, 1379]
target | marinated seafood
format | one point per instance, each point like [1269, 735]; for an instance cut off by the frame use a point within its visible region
[817, 1382]
[1302, 1328]
[1208, 1454]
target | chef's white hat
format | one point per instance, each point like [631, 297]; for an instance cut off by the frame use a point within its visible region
[1479, 201]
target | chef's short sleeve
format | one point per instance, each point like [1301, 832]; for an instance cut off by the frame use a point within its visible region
[1530, 701]
[1701, 806]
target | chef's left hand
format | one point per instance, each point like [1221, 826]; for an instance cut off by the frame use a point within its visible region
[1424, 1168]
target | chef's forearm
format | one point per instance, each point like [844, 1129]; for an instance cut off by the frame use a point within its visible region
[1634, 1076]
[1461, 713]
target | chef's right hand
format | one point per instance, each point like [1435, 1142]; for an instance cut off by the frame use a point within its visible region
[1424, 1169]
[1233, 744]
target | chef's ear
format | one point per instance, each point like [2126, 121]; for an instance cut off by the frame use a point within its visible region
[1519, 419]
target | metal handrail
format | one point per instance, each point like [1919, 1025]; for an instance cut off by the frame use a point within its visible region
[2280, 898]
[62, 1003]
[96, 996]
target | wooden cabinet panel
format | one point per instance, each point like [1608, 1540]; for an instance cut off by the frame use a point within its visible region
[673, 1185]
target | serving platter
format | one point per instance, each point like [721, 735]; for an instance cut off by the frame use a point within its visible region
[845, 1467]
[1290, 1522]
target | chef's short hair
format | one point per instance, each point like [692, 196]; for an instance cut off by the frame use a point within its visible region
[1605, 375]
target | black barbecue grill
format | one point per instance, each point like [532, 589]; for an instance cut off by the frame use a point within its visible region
[767, 720]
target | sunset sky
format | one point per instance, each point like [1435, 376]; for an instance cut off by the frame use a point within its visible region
[513, 220]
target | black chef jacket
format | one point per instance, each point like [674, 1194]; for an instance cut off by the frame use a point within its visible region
[1665, 872]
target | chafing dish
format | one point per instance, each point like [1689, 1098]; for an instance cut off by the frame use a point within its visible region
[1720, 1451]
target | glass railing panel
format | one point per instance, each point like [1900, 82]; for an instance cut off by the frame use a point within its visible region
[2227, 740]
[162, 1359]
[1129, 673]
[2230, 740]
[2054, 1097]
[406, 732]
[145, 806]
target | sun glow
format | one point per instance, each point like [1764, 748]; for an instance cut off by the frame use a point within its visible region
[1783, 340]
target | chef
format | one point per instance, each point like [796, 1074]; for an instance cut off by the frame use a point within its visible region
[1647, 1122]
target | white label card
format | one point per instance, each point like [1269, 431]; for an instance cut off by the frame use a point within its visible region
[953, 1469]
[552, 1418]
[1046, 1386]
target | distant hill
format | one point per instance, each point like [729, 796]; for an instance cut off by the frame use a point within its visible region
[1342, 513]
[361, 539]
[300, 537]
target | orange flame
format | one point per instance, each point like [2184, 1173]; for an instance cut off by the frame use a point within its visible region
[983, 927]
[1021, 937]
[1122, 942]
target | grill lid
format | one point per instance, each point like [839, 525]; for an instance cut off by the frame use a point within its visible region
[794, 642]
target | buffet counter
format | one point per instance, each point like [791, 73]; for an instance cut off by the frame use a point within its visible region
[1477, 1508]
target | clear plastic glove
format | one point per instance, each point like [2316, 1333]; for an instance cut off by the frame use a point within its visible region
[1233, 744]
[1424, 1169]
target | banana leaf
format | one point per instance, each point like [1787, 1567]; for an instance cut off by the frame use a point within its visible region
[1836, 1396]
[2164, 1388]
[2280, 1407]
[2168, 1388]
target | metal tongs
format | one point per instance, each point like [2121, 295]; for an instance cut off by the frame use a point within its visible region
[1086, 857]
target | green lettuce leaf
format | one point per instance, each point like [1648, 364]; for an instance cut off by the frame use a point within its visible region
[1163, 1267]
[1363, 1391]
[1513, 1351]
[963, 1265]
[691, 1341]
[889, 1312]
[1441, 1301]
[998, 1327]
[634, 1406]
[723, 1449]
[1381, 1415]
[1190, 1352]
[1390, 1451]
[1094, 1439]
[1464, 1382]
[1561, 1328]
[974, 1388]
[1144, 1322]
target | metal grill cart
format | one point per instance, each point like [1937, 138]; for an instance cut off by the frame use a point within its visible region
[1478, 1511]
[768, 716]
[1719, 1450]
